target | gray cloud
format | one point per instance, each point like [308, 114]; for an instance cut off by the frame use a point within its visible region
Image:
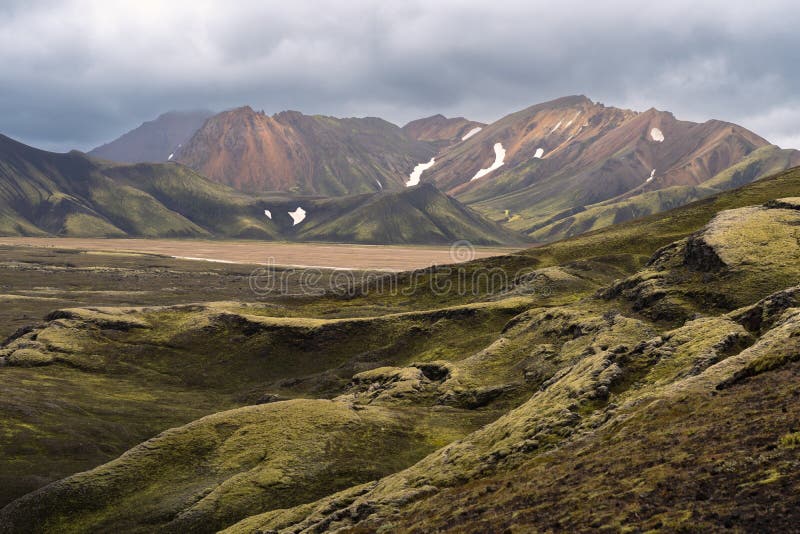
[79, 72]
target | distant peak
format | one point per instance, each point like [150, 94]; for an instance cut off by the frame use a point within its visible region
[241, 110]
[653, 112]
[185, 113]
[288, 114]
[422, 120]
[423, 188]
[571, 100]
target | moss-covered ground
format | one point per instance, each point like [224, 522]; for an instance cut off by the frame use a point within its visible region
[640, 378]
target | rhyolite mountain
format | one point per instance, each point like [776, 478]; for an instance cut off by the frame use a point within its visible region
[441, 130]
[570, 155]
[154, 141]
[309, 154]
[641, 378]
[44, 193]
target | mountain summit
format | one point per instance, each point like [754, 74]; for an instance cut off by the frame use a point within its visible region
[290, 151]
[154, 141]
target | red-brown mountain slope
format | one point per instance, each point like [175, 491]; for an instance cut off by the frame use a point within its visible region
[289, 151]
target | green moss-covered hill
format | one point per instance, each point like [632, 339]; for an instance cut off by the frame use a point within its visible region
[43, 193]
[641, 377]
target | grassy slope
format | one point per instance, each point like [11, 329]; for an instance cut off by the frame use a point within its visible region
[247, 464]
[351, 154]
[698, 461]
[69, 194]
[216, 208]
[596, 257]
[644, 236]
[563, 368]
[176, 364]
[621, 381]
[419, 214]
[763, 162]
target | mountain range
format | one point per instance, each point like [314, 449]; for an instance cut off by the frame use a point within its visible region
[572, 155]
[43, 193]
[552, 170]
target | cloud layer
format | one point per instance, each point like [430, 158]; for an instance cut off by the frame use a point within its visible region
[76, 73]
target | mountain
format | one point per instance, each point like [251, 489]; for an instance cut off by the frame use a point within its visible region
[761, 162]
[441, 130]
[642, 377]
[420, 214]
[571, 154]
[74, 195]
[154, 141]
[289, 151]
[43, 193]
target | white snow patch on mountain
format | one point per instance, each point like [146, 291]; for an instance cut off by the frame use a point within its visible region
[170, 156]
[471, 133]
[572, 120]
[297, 215]
[268, 214]
[379, 183]
[499, 159]
[652, 174]
[556, 127]
[539, 153]
[416, 174]
[657, 135]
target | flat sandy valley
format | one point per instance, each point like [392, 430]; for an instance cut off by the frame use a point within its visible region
[336, 256]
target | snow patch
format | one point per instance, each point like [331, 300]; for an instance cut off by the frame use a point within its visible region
[471, 133]
[556, 127]
[379, 183]
[539, 153]
[572, 120]
[416, 174]
[268, 214]
[652, 175]
[499, 159]
[657, 135]
[170, 156]
[297, 215]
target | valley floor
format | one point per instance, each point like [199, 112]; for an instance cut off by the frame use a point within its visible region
[332, 256]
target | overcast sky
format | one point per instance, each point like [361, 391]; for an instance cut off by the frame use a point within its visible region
[76, 73]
